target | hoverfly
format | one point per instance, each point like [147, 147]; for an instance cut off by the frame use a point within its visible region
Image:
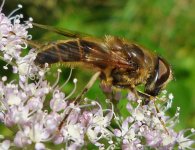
[118, 62]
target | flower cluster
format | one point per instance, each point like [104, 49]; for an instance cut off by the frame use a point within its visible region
[38, 113]
[147, 123]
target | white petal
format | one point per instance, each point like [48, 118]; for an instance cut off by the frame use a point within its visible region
[39, 146]
[5, 145]
[13, 99]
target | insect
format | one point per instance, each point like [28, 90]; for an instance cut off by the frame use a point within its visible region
[117, 62]
[120, 63]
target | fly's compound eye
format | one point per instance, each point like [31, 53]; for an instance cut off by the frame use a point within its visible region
[159, 79]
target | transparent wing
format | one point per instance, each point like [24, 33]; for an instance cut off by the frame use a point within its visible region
[81, 50]
[61, 31]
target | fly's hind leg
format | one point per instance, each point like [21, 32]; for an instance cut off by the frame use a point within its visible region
[88, 86]
[135, 93]
[79, 97]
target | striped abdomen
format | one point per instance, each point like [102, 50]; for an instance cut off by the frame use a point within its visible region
[70, 51]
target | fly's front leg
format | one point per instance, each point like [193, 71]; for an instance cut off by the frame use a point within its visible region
[147, 99]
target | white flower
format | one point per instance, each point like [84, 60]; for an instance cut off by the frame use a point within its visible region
[138, 115]
[5, 145]
[185, 142]
[13, 99]
[38, 133]
[75, 133]
[39, 146]
[167, 139]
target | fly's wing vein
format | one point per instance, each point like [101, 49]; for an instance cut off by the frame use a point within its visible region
[84, 51]
[61, 31]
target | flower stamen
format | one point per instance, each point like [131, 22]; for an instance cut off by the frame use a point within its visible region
[73, 91]
[70, 74]
[15, 10]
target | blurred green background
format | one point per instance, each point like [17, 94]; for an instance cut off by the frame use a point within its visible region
[166, 27]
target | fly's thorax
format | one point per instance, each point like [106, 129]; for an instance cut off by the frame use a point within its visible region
[138, 62]
[143, 59]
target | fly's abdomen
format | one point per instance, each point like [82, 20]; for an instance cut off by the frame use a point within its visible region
[59, 52]
[70, 51]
